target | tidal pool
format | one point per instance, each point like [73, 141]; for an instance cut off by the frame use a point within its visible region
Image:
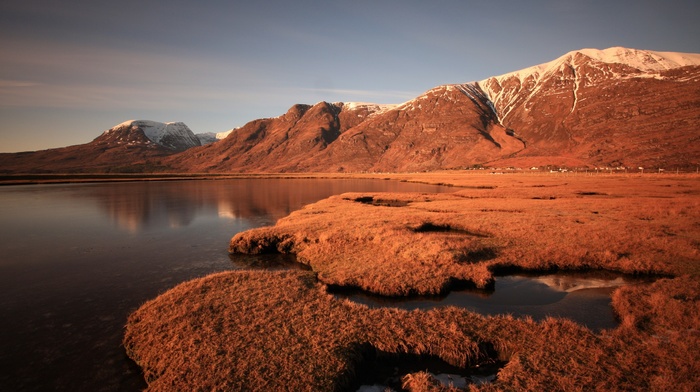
[583, 297]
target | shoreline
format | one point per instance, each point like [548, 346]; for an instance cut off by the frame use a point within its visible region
[282, 329]
[69, 178]
[455, 178]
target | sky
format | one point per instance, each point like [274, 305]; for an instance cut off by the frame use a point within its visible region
[70, 70]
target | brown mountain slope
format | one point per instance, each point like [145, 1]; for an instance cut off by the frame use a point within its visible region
[290, 142]
[602, 114]
[447, 127]
[602, 108]
[120, 149]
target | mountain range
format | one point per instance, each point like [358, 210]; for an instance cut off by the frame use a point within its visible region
[588, 108]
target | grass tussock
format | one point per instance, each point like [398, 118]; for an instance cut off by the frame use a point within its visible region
[661, 322]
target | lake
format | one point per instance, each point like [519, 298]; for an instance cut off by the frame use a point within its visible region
[76, 259]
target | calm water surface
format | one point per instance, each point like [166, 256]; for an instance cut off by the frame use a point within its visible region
[582, 297]
[76, 259]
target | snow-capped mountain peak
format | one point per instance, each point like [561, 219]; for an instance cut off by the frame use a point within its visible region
[577, 69]
[157, 131]
[642, 60]
[173, 135]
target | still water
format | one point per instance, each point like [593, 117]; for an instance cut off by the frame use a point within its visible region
[76, 259]
[583, 297]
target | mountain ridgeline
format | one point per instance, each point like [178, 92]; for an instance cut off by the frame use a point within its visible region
[588, 108]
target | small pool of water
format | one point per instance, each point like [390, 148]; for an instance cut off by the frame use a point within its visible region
[582, 297]
[380, 371]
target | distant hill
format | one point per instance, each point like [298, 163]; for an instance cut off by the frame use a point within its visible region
[587, 108]
[132, 146]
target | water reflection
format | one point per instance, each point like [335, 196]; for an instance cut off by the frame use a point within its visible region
[581, 297]
[136, 207]
[570, 283]
[142, 206]
[78, 258]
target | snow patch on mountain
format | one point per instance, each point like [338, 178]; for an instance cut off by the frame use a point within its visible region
[212, 137]
[446, 93]
[172, 135]
[638, 63]
[643, 60]
[417, 102]
[372, 109]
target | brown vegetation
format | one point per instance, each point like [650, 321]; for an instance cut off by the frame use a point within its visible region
[402, 244]
[264, 330]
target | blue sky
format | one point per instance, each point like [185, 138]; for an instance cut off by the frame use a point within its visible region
[70, 70]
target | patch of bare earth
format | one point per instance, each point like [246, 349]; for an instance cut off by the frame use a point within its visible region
[263, 330]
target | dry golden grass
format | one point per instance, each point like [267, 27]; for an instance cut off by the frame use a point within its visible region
[401, 244]
[661, 321]
[263, 330]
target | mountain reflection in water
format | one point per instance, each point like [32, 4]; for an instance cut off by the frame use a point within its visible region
[78, 258]
[140, 206]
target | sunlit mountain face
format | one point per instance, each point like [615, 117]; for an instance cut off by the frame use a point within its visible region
[618, 107]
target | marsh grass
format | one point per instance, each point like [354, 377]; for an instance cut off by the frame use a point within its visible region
[282, 330]
[416, 243]
[261, 330]
[257, 330]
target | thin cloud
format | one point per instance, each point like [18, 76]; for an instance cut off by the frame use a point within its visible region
[40, 75]
[363, 93]
[117, 97]
[4, 83]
